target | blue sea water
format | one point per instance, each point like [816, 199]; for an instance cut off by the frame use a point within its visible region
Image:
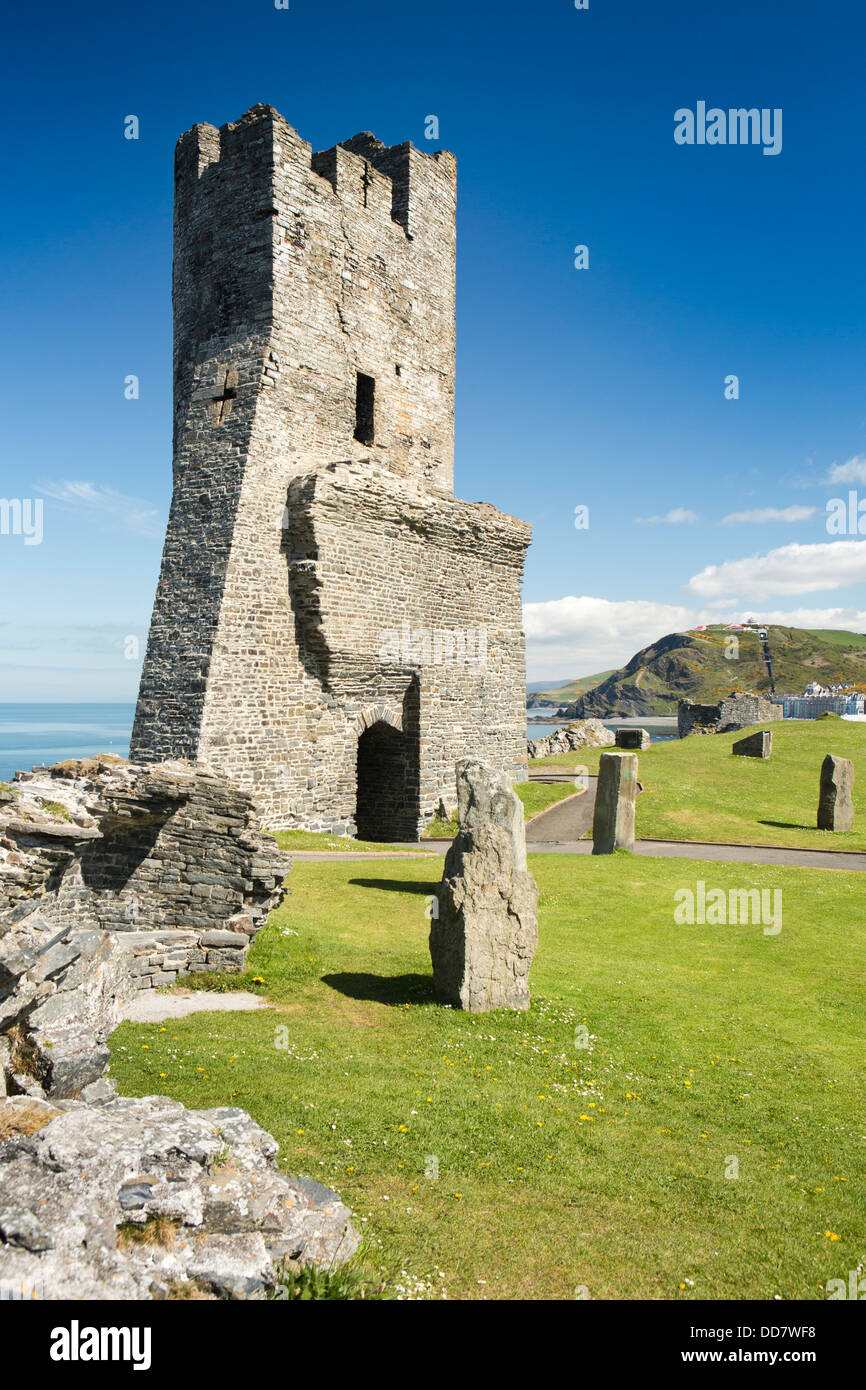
[33, 735]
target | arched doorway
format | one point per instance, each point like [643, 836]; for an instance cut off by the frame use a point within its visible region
[388, 784]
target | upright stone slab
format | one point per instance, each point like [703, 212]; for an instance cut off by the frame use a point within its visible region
[484, 938]
[835, 800]
[632, 738]
[613, 818]
[758, 745]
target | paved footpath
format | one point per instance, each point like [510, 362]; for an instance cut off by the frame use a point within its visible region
[655, 849]
[565, 820]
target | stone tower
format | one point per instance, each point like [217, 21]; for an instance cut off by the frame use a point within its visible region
[332, 628]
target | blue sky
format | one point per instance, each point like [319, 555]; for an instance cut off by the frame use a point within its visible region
[601, 387]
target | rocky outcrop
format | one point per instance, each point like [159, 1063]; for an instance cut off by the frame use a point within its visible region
[584, 733]
[143, 1199]
[484, 932]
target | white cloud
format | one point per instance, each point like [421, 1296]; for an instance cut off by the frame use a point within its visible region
[792, 569]
[680, 516]
[854, 471]
[576, 636]
[571, 636]
[106, 506]
[763, 514]
[846, 619]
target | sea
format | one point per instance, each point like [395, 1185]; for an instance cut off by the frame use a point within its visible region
[39, 735]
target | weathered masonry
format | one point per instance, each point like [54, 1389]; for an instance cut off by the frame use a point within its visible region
[332, 629]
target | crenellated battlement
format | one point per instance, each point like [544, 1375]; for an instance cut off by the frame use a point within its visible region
[393, 179]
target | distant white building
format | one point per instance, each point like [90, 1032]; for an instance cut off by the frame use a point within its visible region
[809, 706]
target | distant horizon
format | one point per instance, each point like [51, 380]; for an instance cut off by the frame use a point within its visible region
[539, 681]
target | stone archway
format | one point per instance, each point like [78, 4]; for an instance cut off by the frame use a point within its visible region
[388, 777]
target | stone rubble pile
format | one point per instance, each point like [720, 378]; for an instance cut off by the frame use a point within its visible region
[584, 733]
[143, 1199]
[116, 876]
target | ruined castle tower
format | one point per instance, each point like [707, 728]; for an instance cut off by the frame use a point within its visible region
[332, 628]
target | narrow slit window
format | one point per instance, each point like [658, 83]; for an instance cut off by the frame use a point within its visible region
[365, 407]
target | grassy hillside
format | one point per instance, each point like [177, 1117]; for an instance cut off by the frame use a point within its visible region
[561, 694]
[694, 789]
[586, 1144]
[704, 666]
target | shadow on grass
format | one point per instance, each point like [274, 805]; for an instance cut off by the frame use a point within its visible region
[384, 989]
[786, 824]
[396, 885]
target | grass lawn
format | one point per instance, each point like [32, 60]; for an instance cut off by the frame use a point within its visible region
[559, 1164]
[694, 789]
[322, 841]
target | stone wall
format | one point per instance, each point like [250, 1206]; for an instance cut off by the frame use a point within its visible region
[735, 711]
[295, 548]
[116, 877]
[128, 847]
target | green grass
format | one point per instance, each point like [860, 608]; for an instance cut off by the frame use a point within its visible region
[537, 796]
[558, 1165]
[441, 829]
[837, 637]
[309, 1284]
[322, 841]
[695, 789]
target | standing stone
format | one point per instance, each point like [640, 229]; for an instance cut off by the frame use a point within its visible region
[758, 745]
[613, 818]
[835, 802]
[484, 938]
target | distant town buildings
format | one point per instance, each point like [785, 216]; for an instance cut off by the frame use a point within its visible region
[818, 699]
